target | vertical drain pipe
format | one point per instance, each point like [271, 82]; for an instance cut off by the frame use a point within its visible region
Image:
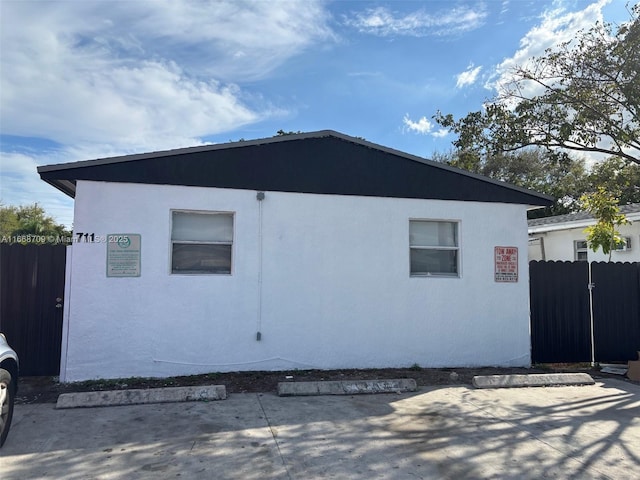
[260, 198]
[593, 345]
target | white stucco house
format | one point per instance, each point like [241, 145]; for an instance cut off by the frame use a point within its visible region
[562, 238]
[307, 251]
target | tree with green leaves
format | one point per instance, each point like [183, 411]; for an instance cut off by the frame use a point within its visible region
[582, 96]
[603, 205]
[617, 175]
[559, 176]
[29, 220]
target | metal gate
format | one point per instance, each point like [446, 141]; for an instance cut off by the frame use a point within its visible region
[616, 311]
[31, 295]
[583, 312]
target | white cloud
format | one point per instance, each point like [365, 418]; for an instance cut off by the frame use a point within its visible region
[468, 77]
[440, 133]
[136, 74]
[422, 126]
[556, 26]
[21, 185]
[240, 38]
[364, 74]
[420, 23]
[137, 107]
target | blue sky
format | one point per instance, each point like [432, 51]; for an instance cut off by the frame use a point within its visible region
[90, 79]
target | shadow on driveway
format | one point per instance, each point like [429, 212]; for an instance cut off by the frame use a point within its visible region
[438, 432]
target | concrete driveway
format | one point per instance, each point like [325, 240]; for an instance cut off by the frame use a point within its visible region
[441, 433]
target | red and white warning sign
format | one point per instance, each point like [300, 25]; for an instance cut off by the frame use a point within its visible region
[506, 259]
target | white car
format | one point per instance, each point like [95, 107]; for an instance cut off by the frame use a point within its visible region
[8, 386]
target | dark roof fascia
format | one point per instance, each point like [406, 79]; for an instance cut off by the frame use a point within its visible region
[432, 163]
[187, 150]
[65, 186]
[70, 189]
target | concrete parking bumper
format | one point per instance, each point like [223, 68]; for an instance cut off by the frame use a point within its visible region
[532, 380]
[141, 396]
[346, 387]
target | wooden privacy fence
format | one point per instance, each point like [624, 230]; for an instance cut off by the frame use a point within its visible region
[31, 300]
[583, 312]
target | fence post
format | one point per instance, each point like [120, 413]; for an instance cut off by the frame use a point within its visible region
[591, 286]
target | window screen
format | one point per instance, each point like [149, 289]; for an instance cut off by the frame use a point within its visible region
[433, 248]
[201, 243]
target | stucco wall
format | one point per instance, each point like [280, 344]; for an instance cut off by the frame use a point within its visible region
[559, 245]
[335, 288]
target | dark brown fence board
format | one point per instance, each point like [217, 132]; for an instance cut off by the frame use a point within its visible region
[616, 311]
[561, 317]
[31, 279]
[559, 298]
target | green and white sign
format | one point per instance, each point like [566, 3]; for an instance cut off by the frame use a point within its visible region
[123, 255]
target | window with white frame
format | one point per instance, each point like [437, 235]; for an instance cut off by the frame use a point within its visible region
[580, 250]
[626, 246]
[434, 248]
[201, 242]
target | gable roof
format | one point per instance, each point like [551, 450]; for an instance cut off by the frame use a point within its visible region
[325, 162]
[577, 219]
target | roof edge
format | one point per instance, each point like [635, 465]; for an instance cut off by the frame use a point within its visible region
[186, 150]
[573, 224]
[545, 199]
[443, 166]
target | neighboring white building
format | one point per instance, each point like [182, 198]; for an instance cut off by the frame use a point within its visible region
[305, 251]
[563, 238]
